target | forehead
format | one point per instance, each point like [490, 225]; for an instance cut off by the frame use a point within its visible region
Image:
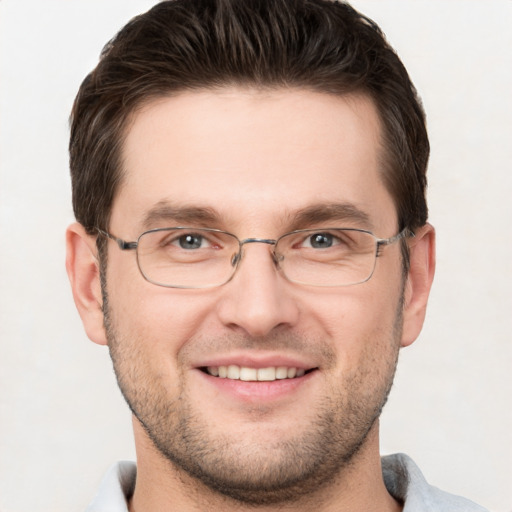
[252, 157]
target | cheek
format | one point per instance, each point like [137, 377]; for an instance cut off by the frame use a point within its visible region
[361, 321]
[160, 318]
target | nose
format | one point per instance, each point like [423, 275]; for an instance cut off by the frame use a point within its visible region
[258, 299]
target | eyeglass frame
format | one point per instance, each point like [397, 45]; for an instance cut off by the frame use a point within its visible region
[128, 246]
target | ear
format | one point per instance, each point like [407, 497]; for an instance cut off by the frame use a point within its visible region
[83, 271]
[419, 281]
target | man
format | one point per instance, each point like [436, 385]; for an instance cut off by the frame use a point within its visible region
[252, 245]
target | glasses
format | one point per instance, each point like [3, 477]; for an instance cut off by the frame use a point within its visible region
[183, 257]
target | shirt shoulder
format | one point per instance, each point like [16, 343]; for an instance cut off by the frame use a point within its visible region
[402, 477]
[405, 482]
[115, 489]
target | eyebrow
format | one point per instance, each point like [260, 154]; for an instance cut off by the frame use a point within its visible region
[177, 215]
[163, 211]
[328, 212]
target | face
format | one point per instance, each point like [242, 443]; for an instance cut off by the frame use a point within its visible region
[252, 163]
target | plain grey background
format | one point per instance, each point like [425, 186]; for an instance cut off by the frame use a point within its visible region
[62, 419]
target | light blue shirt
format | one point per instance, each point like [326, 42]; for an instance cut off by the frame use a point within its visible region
[402, 477]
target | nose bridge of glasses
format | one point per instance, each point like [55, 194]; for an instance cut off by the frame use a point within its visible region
[235, 260]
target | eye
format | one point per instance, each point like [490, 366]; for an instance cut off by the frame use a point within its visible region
[321, 241]
[190, 241]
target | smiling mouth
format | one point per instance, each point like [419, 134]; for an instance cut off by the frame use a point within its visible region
[245, 373]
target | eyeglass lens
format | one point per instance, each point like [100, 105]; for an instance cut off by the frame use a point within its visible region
[201, 258]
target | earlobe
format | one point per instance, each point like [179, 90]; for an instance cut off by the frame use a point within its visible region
[419, 282]
[83, 271]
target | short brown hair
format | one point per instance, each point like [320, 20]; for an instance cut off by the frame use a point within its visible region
[183, 45]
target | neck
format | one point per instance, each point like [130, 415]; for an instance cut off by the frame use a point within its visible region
[162, 487]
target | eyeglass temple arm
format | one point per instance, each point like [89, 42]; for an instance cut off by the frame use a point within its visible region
[403, 234]
[123, 244]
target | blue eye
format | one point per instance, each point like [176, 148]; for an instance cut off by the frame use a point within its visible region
[321, 240]
[190, 241]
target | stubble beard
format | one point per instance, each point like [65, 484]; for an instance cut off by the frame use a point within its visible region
[278, 472]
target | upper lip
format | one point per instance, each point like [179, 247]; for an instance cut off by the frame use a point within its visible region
[257, 360]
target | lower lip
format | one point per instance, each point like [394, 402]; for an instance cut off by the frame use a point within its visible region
[260, 391]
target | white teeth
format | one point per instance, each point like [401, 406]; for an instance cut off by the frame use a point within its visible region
[291, 373]
[233, 372]
[246, 373]
[281, 372]
[267, 374]
[213, 370]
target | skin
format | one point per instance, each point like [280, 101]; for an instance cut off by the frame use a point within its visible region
[255, 158]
